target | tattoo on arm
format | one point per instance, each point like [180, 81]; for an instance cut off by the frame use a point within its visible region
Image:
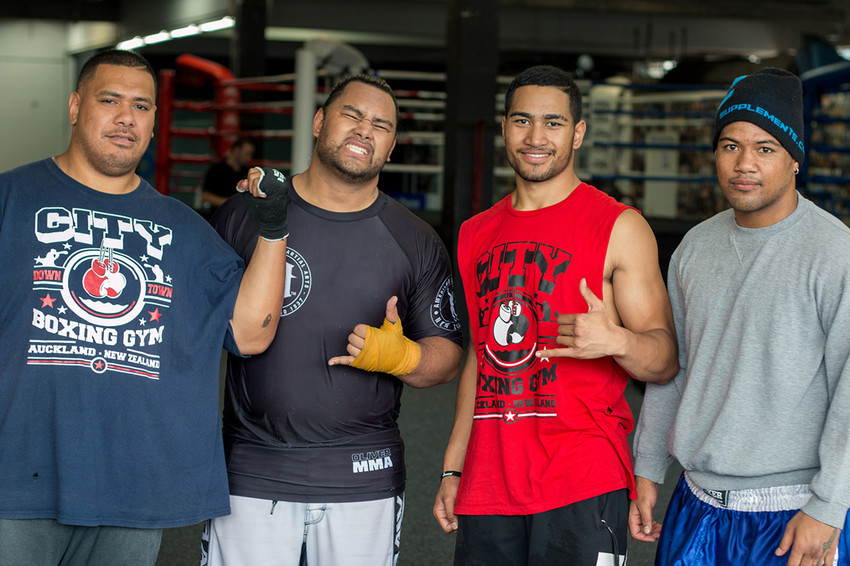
[267, 321]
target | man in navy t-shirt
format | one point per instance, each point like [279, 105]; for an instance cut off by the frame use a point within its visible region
[115, 301]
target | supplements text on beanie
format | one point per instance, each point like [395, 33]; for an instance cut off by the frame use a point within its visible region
[759, 110]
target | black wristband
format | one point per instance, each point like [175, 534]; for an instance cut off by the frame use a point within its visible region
[448, 473]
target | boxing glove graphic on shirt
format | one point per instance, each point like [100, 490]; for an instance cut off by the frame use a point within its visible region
[103, 278]
[511, 326]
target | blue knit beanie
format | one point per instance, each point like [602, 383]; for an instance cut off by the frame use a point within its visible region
[770, 98]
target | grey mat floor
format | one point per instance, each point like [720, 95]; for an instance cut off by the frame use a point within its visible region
[426, 420]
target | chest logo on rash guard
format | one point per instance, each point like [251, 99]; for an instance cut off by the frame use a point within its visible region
[443, 313]
[299, 281]
[512, 339]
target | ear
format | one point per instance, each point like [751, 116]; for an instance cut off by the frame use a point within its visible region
[318, 120]
[392, 147]
[74, 108]
[578, 135]
[504, 121]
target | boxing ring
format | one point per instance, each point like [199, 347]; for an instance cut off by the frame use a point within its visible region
[649, 145]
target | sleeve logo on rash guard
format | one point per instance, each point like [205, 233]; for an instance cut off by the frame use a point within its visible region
[443, 313]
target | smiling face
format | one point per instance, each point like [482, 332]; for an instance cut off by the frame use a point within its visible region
[756, 175]
[539, 133]
[113, 119]
[356, 133]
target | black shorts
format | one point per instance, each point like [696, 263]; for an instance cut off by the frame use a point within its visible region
[585, 533]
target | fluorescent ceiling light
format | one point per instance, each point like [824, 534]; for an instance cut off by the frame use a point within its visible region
[186, 31]
[215, 25]
[134, 43]
[157, 37]
[223, 23]
[274, 33]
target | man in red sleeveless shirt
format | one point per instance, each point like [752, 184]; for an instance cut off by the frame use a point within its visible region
[566, 300]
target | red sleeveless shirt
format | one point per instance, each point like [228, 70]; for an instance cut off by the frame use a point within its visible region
[546, 432]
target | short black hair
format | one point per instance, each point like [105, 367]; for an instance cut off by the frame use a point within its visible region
[117, 57]
[239, 142]
[370, 80]
[547, 75]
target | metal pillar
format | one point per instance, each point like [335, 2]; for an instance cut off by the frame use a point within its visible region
[248, 58]
[248, 42]
[472, 68]
[306, 82]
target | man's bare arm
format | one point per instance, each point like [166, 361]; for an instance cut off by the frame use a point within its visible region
[636, 328]
[423, 363]
[439, 363]
[257, 310]
[642, 302]
[444, 502]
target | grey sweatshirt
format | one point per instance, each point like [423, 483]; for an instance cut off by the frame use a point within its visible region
[763, 395]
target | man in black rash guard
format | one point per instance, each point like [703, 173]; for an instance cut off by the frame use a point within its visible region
[315, 459]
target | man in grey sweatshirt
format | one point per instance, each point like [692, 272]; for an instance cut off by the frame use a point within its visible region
[759, 413]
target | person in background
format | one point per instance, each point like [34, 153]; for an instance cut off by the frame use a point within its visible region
[220, 179]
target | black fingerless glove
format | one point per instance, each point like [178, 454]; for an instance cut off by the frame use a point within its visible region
[271, 210]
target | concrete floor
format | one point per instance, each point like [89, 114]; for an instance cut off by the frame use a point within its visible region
[426, 420]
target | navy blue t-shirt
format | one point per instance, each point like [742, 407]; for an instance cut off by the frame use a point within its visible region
[295, 428]
[113, 311]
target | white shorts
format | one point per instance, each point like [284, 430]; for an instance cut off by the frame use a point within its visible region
[259, 532]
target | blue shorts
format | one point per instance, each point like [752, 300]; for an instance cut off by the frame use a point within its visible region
[700, 531]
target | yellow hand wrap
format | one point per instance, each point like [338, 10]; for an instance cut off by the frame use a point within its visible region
[388, 350]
